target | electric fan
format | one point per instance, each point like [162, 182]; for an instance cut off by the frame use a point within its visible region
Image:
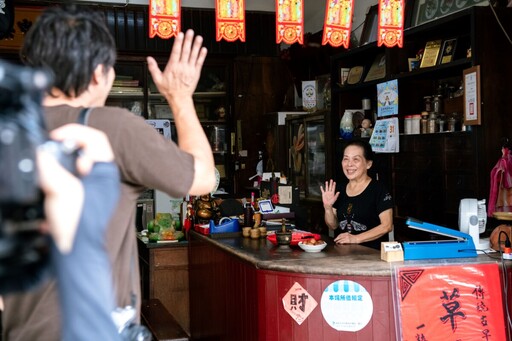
[472, 220]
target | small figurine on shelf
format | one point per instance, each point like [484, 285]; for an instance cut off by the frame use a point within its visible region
[220, 113]
[366, 128]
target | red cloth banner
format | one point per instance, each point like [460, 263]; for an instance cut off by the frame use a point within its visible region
[391, 23]
[230, 19]
[290, 21]
[451, 302]
[338, 22]
[164, 18]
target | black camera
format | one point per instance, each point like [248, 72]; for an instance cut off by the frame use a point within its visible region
[24, 250]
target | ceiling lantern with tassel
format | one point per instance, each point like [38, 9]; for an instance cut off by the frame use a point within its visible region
[391, 23]
[338, 22]
[164, 18]
[230, 19]
[290, 21]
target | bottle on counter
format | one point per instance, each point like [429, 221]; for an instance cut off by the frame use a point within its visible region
[248, 212]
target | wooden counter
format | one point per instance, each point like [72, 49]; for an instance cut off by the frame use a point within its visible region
[237, 286]
[164, 275]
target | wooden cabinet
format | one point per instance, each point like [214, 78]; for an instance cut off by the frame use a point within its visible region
[308, 148]
[433, 172]
[164, 275]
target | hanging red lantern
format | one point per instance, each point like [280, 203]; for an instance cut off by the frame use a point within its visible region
[164, 18]
[391, 23]
[230, 19]
[290, 21]
[338, 22]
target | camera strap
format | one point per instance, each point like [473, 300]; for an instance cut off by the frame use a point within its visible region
[83, 117]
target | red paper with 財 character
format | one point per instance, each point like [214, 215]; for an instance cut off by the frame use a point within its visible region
[450, 302]
[230, 19]
[338, 22]
[164, 18]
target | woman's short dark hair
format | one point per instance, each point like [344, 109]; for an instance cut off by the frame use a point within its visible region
[365, 145]
[69, 42]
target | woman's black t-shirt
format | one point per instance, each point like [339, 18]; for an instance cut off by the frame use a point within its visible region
[360, 213]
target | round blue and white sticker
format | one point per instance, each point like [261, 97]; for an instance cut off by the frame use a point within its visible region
[346, 306]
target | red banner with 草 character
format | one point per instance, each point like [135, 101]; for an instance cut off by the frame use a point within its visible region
[450, 302]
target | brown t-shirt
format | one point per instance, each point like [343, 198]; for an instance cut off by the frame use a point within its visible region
[145, 160]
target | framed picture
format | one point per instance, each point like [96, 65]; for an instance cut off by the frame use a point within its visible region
[378, 68]
[369, 32]
[471, 78]
[427, 10]
[448, 51]
[344, 75]
[431, 53]
[414, 63]
[355, 75]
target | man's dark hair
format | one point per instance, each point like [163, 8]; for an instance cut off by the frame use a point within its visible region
[69, 42]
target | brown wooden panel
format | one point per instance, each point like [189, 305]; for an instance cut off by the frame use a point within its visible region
[174, 257]
[280, 326]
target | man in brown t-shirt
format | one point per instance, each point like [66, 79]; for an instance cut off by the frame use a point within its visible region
[77, 47]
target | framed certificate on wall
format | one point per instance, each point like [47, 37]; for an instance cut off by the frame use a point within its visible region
[471, 77]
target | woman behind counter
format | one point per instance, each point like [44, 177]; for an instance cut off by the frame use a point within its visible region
[363, 211]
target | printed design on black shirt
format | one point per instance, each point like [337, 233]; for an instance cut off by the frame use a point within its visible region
[387, 197]
[348, 225]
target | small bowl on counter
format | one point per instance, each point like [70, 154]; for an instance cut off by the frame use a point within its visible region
[317, 247]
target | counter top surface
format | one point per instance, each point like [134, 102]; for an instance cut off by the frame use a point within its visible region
[348, 260]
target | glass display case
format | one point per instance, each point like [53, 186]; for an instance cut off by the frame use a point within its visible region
[135, 90]
[128, 90]
[307, 153]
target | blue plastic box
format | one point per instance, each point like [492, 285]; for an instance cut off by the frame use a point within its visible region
[228, 225]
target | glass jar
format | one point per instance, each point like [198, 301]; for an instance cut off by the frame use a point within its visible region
[408, 125]
[424, 122]
[432, 123]
[440, 124]
[415, 124]
[427, 100]
[437, 104]
[451, 124]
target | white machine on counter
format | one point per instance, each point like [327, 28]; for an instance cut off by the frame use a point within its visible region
[472, 220]
[162, 201]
